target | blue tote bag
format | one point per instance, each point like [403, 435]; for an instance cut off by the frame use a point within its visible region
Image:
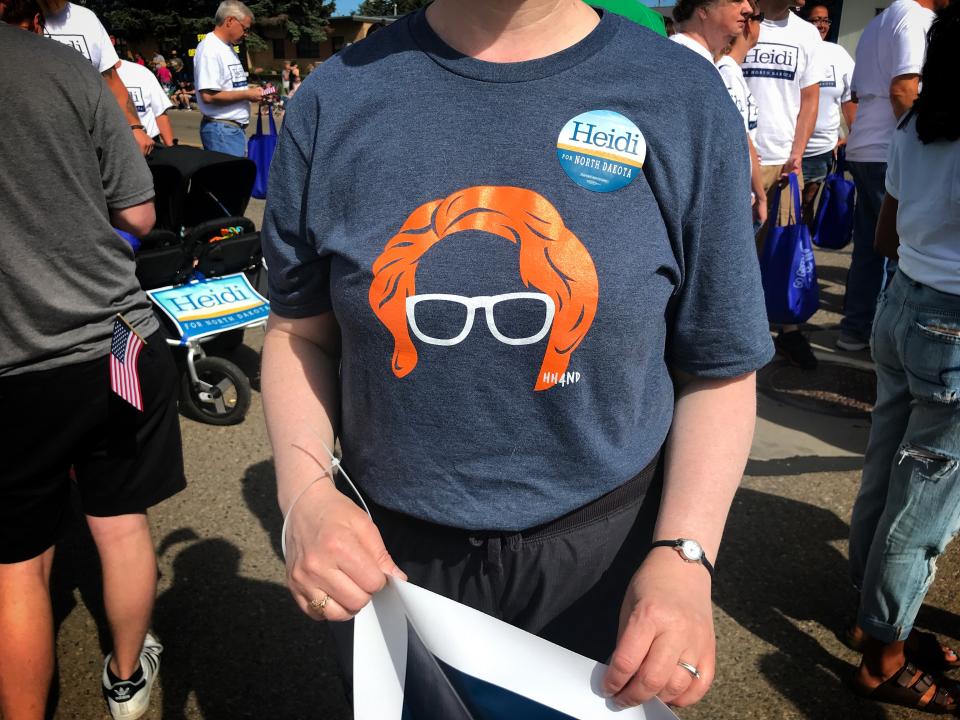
[260, 149]
[833, 222]
[786, 266]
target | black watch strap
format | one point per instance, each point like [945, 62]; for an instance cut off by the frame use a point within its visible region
[677, 545]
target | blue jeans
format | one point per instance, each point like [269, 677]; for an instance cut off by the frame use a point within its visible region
[908, 507]
[223, 137]
[865, 277]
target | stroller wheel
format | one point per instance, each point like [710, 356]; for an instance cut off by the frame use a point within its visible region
[221, 398]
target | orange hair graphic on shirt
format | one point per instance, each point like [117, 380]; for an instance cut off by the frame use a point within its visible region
[552, 260]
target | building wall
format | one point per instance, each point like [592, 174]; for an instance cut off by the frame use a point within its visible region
[856, 15]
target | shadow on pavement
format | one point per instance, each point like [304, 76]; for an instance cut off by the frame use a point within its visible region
[238, 646]
[260, 494]
[780, 576]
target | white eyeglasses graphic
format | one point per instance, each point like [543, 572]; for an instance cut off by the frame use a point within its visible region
[486, 302]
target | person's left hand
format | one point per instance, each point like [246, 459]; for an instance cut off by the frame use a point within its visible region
[666, 617]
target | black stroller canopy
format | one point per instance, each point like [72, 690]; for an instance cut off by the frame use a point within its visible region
[193, 185]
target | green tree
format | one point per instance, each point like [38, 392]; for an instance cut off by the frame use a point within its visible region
[386, 7]
[179, 21]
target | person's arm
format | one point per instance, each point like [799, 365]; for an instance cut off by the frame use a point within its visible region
[756, 185]
[224, 97]
[849, 112]
[333, 548]
[904, 90]
[806, 122]
[667, 615]
[119, 91]
[137, 220]
[887, 241]
[166, 129]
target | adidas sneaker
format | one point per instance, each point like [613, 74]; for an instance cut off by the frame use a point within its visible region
[129, 699]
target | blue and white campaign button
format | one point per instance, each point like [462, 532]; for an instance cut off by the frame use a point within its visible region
[601, 150]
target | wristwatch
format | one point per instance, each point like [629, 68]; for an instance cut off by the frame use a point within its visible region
[688, 549]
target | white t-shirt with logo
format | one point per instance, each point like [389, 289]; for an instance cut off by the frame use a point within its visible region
[894, 43]
[80, 28]
[740, 94]
[146, 94]
[688, 42]
[835, 89]
[786, 59]
[926, 181]
[217, 67]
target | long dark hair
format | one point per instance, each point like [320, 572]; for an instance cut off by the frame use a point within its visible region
[938, 106]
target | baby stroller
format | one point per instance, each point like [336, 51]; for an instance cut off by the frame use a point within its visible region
[199, 266]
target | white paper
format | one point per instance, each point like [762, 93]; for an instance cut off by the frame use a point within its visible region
[479, 646]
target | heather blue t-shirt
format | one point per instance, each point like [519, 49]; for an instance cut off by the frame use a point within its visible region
[517, 255]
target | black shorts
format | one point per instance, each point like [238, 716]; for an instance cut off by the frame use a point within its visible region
[124, 460]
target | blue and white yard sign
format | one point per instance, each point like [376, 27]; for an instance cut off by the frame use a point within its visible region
[420, 656]
[207, 307]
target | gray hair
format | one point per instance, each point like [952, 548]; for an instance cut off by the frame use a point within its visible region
[231, 9]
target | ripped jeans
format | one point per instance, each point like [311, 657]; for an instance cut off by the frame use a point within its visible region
[908, 507]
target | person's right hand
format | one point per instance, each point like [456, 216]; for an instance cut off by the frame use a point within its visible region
[144, 142]
[334, 550]
[255, 94]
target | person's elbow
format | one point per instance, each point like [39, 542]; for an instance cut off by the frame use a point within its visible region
[208, 96]
[137, 220]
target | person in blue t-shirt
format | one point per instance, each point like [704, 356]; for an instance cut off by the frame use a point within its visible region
[533, 325]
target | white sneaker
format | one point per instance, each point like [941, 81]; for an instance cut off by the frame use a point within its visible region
[851, 343]
[128, 700]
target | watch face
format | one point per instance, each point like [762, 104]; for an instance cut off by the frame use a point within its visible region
[691, 550]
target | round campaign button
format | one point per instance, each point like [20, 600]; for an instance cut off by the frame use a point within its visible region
[601, 150]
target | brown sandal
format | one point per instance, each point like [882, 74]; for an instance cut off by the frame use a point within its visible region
[912, 688]
[922, 648]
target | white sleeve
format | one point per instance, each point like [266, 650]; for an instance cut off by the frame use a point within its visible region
[892, 181]
[814, 68]
[209, 72]
[847, 71]
[909, 46]
[102, 54]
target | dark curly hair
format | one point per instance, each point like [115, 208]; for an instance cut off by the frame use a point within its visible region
[938, 107]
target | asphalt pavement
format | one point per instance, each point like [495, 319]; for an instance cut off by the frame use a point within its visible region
[237, 647]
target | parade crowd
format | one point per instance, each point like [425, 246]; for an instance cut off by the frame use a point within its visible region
[567, 465]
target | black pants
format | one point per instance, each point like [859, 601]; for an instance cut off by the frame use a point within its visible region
[564, 580]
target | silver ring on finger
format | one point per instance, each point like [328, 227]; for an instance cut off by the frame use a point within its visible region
[692, 669]
[320, 605]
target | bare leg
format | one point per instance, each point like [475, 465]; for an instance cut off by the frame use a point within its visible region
[26, 629]
[129, 584]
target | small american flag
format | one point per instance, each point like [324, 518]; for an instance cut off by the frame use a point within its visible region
[124, 350]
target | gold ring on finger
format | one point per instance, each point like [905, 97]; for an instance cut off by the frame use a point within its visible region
[692, 669]
[320, 605]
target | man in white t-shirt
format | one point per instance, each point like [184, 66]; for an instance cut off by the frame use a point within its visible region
[885, 82]
[149, 99]
[708, 28]
[221, 82]
[78, 27]
[835, 98]
[783, 72]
